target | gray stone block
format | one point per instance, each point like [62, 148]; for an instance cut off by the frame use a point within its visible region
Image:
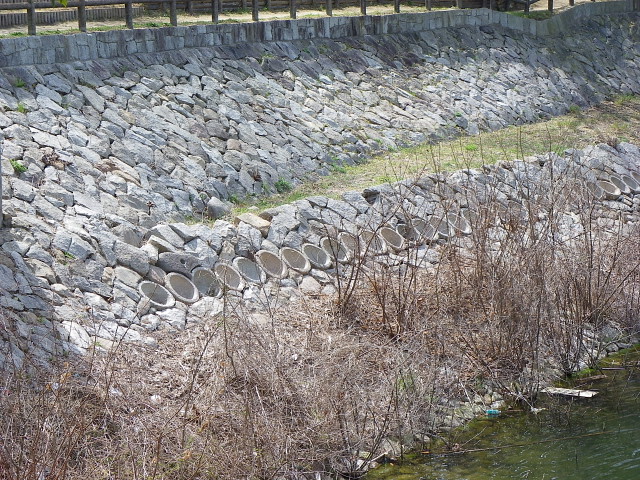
[178, 262]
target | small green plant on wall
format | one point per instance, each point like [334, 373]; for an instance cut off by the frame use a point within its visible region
[283, 186]
[18, 167]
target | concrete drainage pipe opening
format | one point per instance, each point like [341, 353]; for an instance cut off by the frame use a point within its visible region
[182, 288]
[334, 249]
[317, 256]
[271, 264]
[229, 277]
[620, 184]
[206, 282]
[295, 260]
[392, 238]
[372, 243]
[156, 295]
[249, 270]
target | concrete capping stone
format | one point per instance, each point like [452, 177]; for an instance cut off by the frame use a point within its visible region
[84, 47]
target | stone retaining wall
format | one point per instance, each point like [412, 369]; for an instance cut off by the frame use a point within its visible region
[108, 165]
[116, 43]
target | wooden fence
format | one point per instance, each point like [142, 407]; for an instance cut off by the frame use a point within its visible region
[218, 6]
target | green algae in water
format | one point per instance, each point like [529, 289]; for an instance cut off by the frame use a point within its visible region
[573, 439]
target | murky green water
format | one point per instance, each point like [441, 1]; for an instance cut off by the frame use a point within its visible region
[564, 442]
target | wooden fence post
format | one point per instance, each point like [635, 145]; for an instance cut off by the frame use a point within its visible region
[128, 14]
[396, 6]
[527, 7]
[329, 4]
[215, 11]
[293, 9]
[428, 4]
[31, 18]
[572, 3]
[173, 14]
[550, 5]
[82, 16]
[363, 7]
[254, 10]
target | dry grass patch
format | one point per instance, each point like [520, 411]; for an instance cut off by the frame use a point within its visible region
[610, 122]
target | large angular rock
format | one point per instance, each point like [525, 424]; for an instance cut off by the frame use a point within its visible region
[178, 262]
[255, 221]
[216, 208]
[72, 245]
[131, 257]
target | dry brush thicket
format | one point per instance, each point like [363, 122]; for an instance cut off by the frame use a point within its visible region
[318, 386]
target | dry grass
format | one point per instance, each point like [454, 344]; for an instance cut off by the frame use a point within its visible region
[611, 121]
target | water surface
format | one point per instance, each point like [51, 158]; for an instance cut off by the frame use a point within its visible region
[564, 442]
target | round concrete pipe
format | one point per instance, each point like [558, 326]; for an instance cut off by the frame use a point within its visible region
[156, 295]
[635, 175]
[611, 192]
[350, 243]
[441, 226]
[229, 277]
[372, 243]
[595, 190]
[618, 182]
[271, 264]
[469, 215]
[205, 281]
[317, 256]
[631, 183]
[334, 249]
[458, 224]
[295, 260]
[182, 288]
[424, 230]
[392, 238]
[249, 270]
[407, 232]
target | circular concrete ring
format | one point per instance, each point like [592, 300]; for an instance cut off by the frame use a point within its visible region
[459, 224]
[156, 295]
[182, 288]
[469, 215]
[407, 232]
[440, 225]
[372, 243]
[611, 192]
[317, 256]
[248, 269]
[349, 243]
[229, 277]
[272, 264]
[631, 183]
[635, 175]
[392, 238]
[295, 260]
[595, 190]
[205, 281]
[424, 230]
[334, 249]
[618, 182]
